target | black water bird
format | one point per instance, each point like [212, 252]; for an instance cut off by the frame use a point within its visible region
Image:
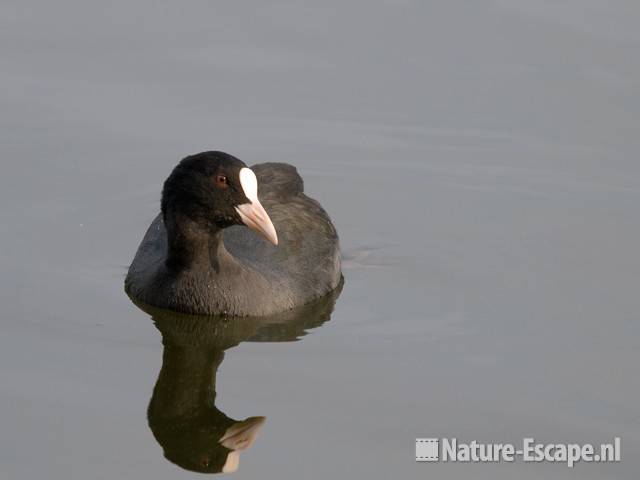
[198, 256]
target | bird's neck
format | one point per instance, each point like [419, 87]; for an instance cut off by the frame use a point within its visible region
[192, 247]
[202, 273]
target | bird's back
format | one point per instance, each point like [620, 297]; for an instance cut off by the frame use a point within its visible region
[307, 257]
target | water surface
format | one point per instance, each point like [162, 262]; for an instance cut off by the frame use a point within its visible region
[480, 162]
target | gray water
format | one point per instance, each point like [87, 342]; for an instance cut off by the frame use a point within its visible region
[479, 160]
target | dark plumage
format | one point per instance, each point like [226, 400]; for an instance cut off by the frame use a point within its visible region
[199, 257]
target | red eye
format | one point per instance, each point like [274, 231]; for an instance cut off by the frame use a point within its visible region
[222, 181]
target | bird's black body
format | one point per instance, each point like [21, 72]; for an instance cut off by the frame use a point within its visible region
[198, 258]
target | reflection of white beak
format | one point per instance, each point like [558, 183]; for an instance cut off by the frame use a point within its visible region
[241, 435]
[253, 214]
[237, 438]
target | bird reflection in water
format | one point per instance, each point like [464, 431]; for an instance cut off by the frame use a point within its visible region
[182, 415]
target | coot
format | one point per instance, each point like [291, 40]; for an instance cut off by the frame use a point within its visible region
[199, 257]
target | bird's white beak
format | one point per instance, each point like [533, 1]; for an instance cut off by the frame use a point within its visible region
[255, 217]
[253, 214]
